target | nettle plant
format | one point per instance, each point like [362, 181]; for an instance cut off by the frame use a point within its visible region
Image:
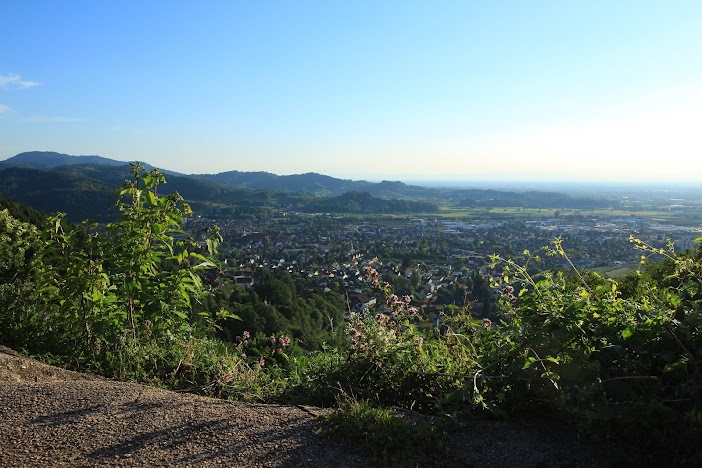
[399, 356]
[619, 356]
[622, 356]
[133, 281]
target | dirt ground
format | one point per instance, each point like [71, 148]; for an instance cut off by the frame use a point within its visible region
[54, 417]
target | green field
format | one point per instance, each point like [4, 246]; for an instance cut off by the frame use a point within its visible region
[689, 217]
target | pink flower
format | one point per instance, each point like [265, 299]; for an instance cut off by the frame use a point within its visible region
[382, 319]
[284, 341]
[371, 273]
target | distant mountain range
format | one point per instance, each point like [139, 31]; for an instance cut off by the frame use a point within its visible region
[84, 187]
[50, 159]
[312, 183]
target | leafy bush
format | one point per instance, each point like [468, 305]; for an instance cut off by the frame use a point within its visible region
[625, 366]
[20, 310]
[118, 300]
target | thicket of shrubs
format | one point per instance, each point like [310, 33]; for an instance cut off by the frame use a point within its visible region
[620, 358]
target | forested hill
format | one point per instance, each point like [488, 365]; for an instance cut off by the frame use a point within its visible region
[309, 183]
[361, 202]
[88, 192]
[53, 182]
[51, 159]
[318, 184]
[54, 160]
[52, 191]
[22, 212]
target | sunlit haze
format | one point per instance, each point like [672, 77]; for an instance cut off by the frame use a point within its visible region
[399, 90]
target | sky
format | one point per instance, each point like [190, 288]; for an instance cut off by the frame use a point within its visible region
[397, 90]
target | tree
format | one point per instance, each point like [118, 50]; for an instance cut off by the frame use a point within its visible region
[132, 282]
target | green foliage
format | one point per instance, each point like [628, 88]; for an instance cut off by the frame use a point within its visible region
[21, 212]
[625, 366]
[275, 305]
[363, 202]
[386, 437]
[116, 300]
[127, 300]
[20, 303]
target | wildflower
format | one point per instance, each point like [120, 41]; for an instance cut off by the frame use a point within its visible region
[487, 323]
[261, 361]
[284, 341]
[508, 292]
[242, 356]
[382, 319]
[407, 299]
[371, 273]
[418, 340]
[272, 338]
[246, 335]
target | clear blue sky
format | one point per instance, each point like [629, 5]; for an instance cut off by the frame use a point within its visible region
[528, 90]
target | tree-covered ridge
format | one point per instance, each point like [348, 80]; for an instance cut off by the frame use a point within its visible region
[52, 159]
[21, 212]
[362, 202]
[85, 192]
[260, 193]
[51, 191]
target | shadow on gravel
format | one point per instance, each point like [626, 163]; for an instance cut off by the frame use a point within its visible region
[66, 417]
[165, 439]
[210, 441]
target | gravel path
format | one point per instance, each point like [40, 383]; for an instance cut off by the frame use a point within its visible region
[54, 417]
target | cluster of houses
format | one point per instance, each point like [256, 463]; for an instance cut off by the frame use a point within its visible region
[435, 254]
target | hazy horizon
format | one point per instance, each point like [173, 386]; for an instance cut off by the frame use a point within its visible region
[508, 92]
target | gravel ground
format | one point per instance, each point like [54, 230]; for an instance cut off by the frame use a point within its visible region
[54, 417]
